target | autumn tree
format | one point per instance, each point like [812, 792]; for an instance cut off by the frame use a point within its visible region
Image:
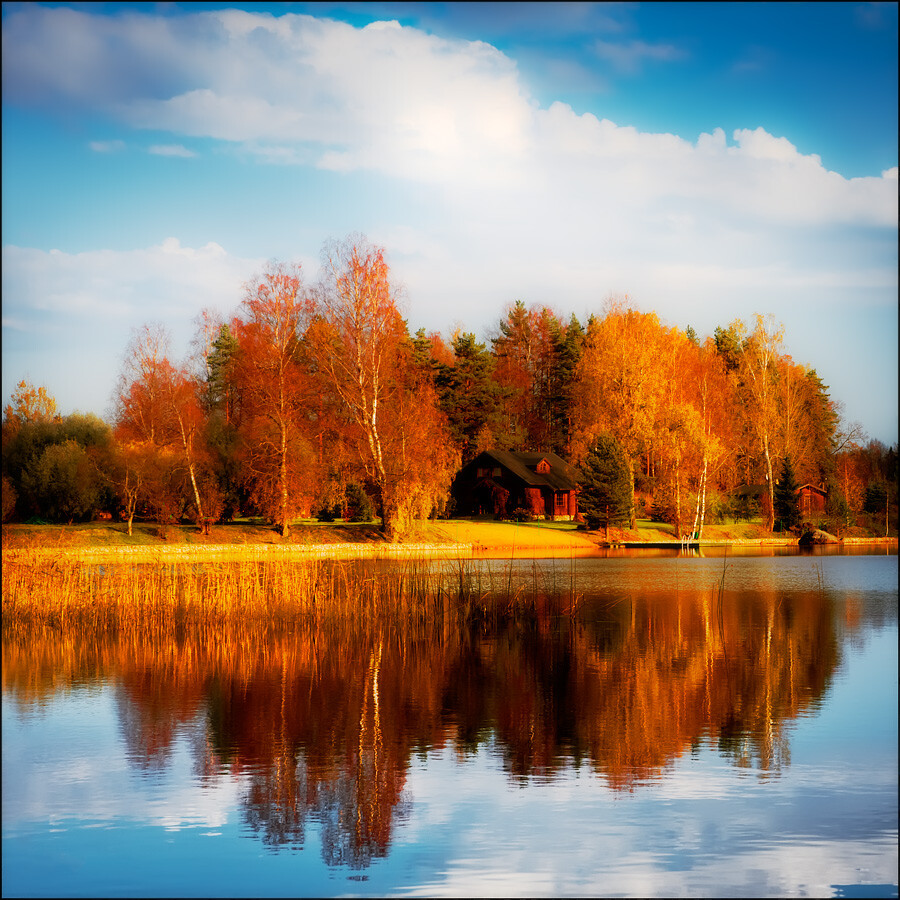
[809, 421]
[423, 459]
[527, 350]
[130, 471]
[759, 359]
[620, 387]
[361, 348]
[158, 403]
[276, 393]
[29, 404]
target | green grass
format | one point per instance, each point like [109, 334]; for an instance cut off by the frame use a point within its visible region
[481, 532]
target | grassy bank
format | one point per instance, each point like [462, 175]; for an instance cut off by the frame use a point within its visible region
[256, 539]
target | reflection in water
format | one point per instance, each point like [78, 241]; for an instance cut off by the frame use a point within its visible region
[321, 722]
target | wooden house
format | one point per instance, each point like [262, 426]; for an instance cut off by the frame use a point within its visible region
[812, 500]
[501, 482]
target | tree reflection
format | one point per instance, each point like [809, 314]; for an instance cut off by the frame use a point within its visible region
[322, 722]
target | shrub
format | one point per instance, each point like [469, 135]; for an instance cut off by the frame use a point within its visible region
[9, 498]
[359, 506]
[329, 513]
[62, 483]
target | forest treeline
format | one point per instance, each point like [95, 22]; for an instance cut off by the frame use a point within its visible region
[315, 399]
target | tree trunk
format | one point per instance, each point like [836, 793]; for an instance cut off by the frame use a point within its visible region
[186, 444]
[678, 494]
[285, 527]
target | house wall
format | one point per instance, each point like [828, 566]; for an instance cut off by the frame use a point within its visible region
[811, 502]
[535, 502]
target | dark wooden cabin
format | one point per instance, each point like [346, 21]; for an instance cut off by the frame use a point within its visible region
[499, 482]
[811, 499]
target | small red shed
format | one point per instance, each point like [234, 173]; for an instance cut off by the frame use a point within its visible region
[811, 500]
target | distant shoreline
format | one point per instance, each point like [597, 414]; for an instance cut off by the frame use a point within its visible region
[379, 551]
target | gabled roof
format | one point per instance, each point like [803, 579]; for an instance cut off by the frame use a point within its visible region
[561, 477]
[750, 490]
[812, 487]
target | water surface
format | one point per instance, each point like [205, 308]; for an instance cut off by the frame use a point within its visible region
[721, 726]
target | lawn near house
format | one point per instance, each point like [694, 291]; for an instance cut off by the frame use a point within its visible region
[455, 536]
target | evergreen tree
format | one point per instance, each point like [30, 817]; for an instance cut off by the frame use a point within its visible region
[358, 504]
[570, 346]
[470, 396]
[787, 504]
[728, 345]
[876, 496]
[837, 510]
[219, 387]
[606, 490]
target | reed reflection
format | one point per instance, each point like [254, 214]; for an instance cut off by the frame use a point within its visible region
[322, 721]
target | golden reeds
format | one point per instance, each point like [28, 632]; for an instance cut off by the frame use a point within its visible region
[162, 596]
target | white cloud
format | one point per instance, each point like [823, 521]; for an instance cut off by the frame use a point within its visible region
[396, 100]
[171, 150]
[629, 57]
[70, 314]
[106, 146]
[171, 280]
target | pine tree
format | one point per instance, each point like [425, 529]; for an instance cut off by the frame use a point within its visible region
[569, 349]
[787, 505]
[469, 394]
[219, 389]
[606, 490]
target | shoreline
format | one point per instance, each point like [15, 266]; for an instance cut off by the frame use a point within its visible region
[382, 551]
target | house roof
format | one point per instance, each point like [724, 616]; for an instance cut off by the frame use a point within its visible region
[750, 490]
[561, 477]
[755, 490]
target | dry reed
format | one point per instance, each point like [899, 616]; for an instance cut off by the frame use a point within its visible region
[167, 596]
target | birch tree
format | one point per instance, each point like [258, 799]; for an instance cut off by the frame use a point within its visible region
[758, 362]
[276, 393]
[158, 403]
[362, 349]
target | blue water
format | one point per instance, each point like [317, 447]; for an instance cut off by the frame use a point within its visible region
[90, 809]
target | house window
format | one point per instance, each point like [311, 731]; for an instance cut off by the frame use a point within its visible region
[542, 467]
[497, 473]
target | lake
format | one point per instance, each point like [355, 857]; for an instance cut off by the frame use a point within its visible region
[720, 725]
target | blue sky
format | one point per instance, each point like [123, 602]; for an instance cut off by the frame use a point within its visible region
[711, 161]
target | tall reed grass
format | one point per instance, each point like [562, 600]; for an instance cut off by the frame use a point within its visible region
[164, 596]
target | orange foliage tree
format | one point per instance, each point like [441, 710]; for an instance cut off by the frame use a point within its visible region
[29, 404]
[397, 437]
[276, 394]
[158, 405]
